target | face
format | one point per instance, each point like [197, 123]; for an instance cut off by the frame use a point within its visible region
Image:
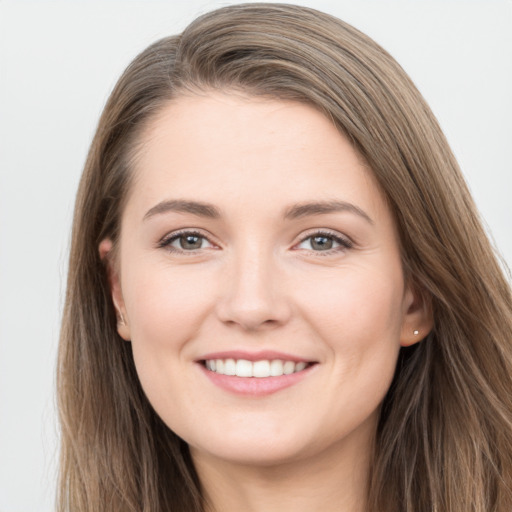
[259, 280]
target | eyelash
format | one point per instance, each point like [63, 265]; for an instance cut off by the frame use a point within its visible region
[344, 243]
[166, 242]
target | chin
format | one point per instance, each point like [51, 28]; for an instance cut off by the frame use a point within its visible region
[250, 453]
[275, 443]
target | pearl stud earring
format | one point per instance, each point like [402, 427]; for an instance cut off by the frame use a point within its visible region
[416, 333]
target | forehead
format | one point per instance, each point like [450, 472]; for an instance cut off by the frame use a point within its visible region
[227, 147]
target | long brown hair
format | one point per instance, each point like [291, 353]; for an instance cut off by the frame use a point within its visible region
[444, 441]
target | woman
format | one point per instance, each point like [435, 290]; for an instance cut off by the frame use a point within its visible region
[280, 295]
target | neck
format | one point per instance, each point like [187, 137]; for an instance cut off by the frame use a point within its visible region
[333, 481]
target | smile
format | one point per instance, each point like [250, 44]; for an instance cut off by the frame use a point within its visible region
[255, 374]
[258, 369]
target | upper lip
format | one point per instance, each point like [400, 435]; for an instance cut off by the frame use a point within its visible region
[254, 356]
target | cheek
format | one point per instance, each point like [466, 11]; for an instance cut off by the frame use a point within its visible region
[357, 316]
[355, 301]
[165, 310]
[165, 306]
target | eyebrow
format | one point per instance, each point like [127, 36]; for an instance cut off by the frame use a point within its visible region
[324, 207]
[182, 206]
[300, 210]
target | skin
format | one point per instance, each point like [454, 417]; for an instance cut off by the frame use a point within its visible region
[257, 282]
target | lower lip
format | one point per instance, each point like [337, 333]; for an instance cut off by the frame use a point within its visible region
[255, 386]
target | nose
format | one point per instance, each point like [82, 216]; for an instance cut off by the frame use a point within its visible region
[254, 296]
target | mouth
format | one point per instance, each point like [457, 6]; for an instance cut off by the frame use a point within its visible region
[255, 375]
[258, 369]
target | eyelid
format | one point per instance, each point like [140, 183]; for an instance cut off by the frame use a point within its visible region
[166, 240]
[344, 241]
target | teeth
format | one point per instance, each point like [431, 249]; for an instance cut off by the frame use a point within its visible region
[261, 369]
[288, 367]
[300, 366]
[276, 368]
[245, 368]
[229, 367]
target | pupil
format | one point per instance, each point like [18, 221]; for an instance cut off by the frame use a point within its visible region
[190, 242]
[321, 242]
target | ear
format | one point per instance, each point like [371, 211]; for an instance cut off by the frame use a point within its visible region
[106, 255]
[418, 320]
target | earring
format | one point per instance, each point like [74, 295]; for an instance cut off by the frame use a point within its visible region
[416, 333]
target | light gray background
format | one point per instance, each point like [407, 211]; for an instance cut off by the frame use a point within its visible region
[58, 62]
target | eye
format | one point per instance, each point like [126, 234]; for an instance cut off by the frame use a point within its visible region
[324, 242]
[185, 241]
